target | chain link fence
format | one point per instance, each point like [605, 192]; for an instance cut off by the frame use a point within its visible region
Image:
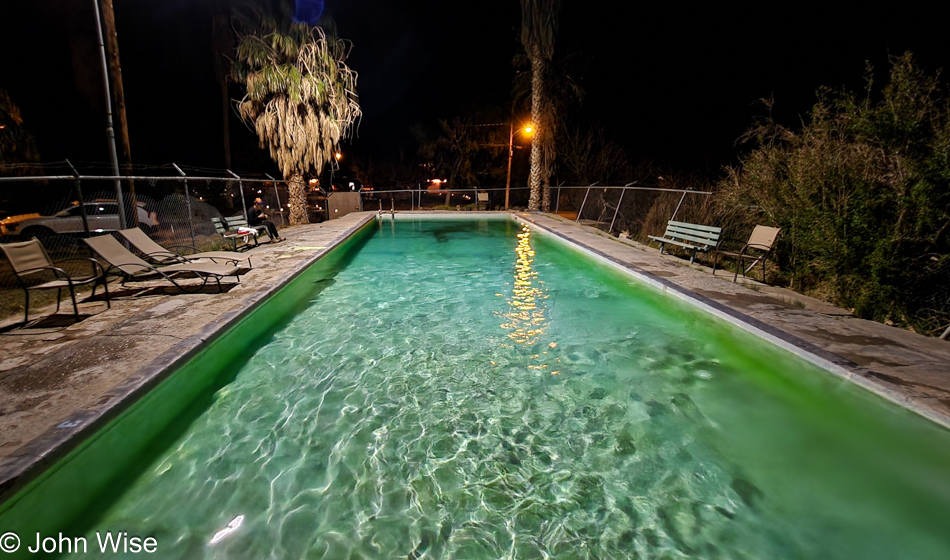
[631, 210]
[173, 205]
[929, 296]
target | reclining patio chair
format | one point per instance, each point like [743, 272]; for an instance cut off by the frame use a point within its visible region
[160, 255]
[757, 249]
[125, 264]
[29, 260]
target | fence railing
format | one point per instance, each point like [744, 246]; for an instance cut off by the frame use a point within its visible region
[173, 206]
[637, 210]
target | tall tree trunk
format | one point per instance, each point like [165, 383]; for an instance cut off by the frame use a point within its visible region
[111, 38]
[222, 45]
[537, 89]
[115, 72]
[298, 200]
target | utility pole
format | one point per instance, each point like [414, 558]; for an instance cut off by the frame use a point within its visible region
[511, 152]
[222, 45]
[118, 90]
[110, 131]
[115, 73]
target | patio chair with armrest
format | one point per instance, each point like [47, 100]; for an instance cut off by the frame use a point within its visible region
[129, 267]
[756, 249]
[161, 255]
[30, 261]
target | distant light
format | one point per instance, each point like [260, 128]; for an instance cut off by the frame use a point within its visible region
[258, 191]
[338, 155]
[528, 128]
[313, 181]
[436, 181]
[2, 126]
[288, 205]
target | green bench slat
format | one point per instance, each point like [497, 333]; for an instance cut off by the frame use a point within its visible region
[689, 236]
[684, 236]
[675, 242]
[227, 227]
[711, 229]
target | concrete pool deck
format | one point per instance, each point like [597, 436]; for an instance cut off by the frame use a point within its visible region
[56, 383]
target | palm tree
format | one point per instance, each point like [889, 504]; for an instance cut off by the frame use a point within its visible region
[301, 99]
[539, 22]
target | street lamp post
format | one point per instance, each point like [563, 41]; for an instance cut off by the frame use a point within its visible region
[334, 165]
[527, 129]
[511, 152]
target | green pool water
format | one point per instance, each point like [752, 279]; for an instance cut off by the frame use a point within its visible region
[474, 390]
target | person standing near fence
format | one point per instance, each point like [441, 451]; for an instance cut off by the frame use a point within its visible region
[257, 217]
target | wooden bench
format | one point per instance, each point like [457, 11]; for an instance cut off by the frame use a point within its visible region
[689, 236]
[228, 228]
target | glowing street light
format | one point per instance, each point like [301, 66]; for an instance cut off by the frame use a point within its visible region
[338, 155]
[528, 130]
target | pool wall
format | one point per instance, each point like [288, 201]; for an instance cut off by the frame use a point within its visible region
[52, 494]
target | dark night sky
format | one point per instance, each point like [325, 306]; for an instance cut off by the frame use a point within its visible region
[676, 84]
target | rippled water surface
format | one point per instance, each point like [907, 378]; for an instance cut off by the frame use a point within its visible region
[469, 390]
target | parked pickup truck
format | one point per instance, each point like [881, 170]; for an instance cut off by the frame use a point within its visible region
[102, 215]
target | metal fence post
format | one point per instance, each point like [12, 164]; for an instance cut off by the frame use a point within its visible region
[82, 203]
[241, 188]
[617, 210]
[581, 211]
[280, 208]
[682, 198]
[191, 225]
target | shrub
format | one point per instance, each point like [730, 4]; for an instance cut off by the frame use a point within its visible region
[861, 191]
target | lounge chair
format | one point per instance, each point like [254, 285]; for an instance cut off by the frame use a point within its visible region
[124, 263]
[756, 249]
[160, 255]
[29, 260]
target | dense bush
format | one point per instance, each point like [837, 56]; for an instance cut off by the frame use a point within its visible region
[862, 193]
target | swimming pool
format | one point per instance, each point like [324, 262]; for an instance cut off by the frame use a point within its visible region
[474, 390]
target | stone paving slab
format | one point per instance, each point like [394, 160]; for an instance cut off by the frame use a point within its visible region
[908, 368]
